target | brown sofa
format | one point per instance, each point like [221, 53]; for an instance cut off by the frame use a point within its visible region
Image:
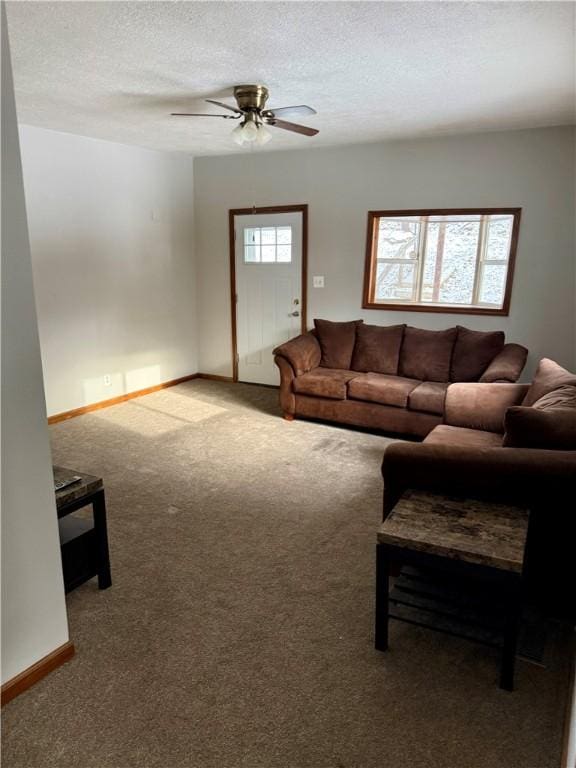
[468, 453]
[393, 378]
[514, 443]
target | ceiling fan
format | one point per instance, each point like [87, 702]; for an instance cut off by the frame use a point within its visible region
[251, 100]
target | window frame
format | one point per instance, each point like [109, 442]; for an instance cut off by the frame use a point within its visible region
[399, 306]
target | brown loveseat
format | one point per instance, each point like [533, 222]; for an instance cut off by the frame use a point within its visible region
[392, 378]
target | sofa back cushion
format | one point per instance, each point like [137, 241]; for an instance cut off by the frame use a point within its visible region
[377, 348]
[481, 406]
[336, 342]
[548, 377]
[473, 353]
[426, 355]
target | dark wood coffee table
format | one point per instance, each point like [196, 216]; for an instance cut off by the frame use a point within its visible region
[84, 545]
[462, 539]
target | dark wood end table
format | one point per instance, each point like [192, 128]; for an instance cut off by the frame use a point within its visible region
[461, 537]
[84, 548]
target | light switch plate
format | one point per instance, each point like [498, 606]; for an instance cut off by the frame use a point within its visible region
[318, 281]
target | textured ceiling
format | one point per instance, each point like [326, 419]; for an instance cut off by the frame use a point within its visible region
[373, 70]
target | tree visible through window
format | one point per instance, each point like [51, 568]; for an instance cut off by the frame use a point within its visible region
[460, 260]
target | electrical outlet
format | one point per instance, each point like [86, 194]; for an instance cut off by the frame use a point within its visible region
[318, 281]
[107, 380]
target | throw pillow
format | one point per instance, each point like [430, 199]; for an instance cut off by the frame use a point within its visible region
[548, 377]
[426, 355]
[563, 397]
[336, 342]
[377, 348]
[473, 353]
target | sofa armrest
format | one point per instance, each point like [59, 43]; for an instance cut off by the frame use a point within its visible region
[303, 353]
[481, 406]
[527, 476]
[287, 375]
[507, 365]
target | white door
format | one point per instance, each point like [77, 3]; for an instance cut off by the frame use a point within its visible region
[268, 251]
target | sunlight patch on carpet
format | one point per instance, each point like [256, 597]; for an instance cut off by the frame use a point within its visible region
[160, 413]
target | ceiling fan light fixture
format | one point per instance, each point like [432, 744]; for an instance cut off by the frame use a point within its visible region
[263, 136]
[250, 131]
[238, 135]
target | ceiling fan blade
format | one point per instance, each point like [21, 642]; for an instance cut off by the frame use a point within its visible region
[225, 106]
[291, 127]
[299, 111]
[203, 114]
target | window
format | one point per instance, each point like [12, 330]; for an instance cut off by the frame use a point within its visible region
[268, 245]
[441, 260]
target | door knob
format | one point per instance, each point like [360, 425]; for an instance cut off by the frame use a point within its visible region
[295, 314]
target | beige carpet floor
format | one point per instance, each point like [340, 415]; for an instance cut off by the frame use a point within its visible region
[238, 631]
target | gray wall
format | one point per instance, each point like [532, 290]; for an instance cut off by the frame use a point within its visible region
[111, 232]
[33, 610]
[532, 169]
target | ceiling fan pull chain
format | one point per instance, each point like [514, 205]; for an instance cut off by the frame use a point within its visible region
[253, 175]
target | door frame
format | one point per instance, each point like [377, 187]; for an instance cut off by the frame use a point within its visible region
[232, 213]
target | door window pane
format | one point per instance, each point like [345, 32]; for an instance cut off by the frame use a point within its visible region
[268, 253]
[251, 254]
[252, 236]
[284, 235]
[268, 235]
[267, 245]
[284, 253]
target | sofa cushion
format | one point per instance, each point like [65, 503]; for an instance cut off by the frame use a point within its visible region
[380, 388]
[428, 397]
[506, 366]
[323, 382]
[473, 353]
[336, 342]
[426, 355]
[474, 405]
[528, 427]
[377, 348]
[444, 434]
[548, 377]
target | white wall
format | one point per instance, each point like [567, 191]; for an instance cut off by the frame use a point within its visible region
[532, 169]
[33, 608]
[111, 232]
